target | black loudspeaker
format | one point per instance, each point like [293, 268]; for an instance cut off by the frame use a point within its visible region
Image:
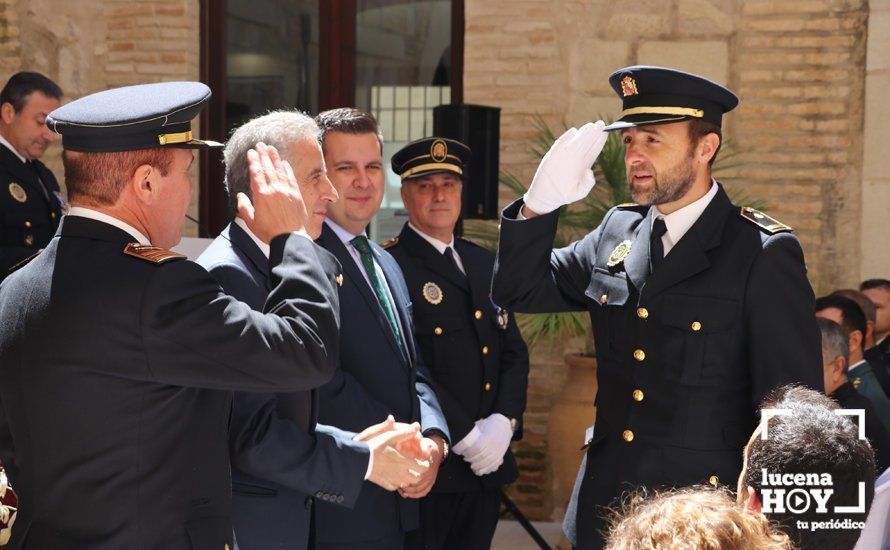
[479, 128]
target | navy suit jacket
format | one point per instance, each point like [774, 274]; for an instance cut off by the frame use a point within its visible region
[372, 381]
[280, 458]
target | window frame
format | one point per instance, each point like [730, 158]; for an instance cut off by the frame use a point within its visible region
[336, 64]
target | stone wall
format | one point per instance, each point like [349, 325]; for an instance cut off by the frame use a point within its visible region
[87, 46]
[800, 70]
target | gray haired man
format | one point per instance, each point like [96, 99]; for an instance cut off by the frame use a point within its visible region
[281, 459]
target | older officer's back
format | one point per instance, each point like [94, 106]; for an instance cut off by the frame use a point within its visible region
[111, 435]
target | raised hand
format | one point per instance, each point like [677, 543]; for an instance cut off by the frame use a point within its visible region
[276, 205]
[565, 174]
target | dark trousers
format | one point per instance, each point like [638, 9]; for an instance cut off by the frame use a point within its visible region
[392, 542]
[456, 520]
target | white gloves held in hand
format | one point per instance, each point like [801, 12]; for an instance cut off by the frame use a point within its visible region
[565, 174]
[486, 444]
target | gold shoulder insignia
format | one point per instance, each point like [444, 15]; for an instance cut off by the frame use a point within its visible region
[388, 243]
[23, 263]
[627, 205]
[761, 220]
[150, 253]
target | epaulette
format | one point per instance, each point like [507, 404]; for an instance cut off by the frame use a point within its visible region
[626, 205]
[761, 220]
[390, 242]
[153, 254]
[23, 263]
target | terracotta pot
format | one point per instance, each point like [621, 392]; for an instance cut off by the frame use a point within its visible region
[572, 413]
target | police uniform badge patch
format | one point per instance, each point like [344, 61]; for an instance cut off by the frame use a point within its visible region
[432, 293]
[619, 253]
[439, 150]
[629, 86]
[18, 192]
[503, 318]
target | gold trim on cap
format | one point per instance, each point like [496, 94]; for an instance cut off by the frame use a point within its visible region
[181, 137]
[681, 111]
[431, 166]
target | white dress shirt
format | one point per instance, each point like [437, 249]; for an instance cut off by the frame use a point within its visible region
[441, 247]
[110, 220]
[679, 221]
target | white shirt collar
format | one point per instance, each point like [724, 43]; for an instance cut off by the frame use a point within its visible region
[342, 234]
[679, 221]
[264, 248]
[851, 367]
[110, 220]
[9, 146]
[437, 244]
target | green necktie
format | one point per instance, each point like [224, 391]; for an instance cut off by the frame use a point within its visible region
[364, 249]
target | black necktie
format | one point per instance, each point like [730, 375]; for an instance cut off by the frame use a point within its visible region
[656, 247]
[449, 253]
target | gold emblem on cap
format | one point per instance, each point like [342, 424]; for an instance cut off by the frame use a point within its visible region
[619, 253]
[629, 86]
[439, 150]
[432, 293]
[18, 192]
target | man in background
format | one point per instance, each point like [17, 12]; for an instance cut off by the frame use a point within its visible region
[282, 461]
[878, 291]
[847, 314]
[835, 357]
[31, 204]
[380, 371]
[809, 438]
[473, 349]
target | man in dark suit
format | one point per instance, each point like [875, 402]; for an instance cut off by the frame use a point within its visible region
[115, 436]
[31, 204]
[835, 358]
[281, 460]
[878, 291]
[863, 373]
[380, 371]
[698, 307]
[473, 349]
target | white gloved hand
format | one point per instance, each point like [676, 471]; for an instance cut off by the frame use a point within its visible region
[467, 443]
[565, 174]
[487, 453]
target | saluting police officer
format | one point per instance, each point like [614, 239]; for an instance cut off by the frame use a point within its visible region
[699, 307]
[473, 348]
[31, 204]
[115, 434]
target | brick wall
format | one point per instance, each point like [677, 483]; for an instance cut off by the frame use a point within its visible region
[87, 46]
[798, 66]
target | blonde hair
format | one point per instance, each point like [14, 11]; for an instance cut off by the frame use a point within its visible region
[701, 517]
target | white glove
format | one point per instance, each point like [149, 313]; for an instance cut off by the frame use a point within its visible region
[467, 443]
[565, 174]
[487, 453]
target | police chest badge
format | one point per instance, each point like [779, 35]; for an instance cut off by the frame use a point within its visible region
[503, 318]
[432, 293]
[18, 192]
[619, 253]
